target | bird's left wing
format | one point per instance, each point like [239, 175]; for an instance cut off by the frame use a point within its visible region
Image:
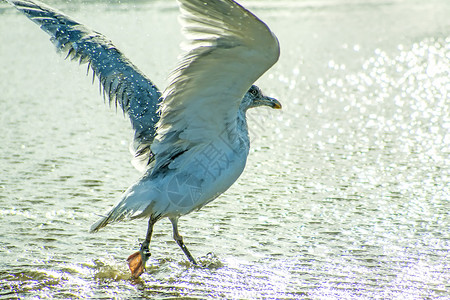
[228, 49]
[122, 82]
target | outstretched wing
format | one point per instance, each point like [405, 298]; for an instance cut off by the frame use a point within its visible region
[121, 81]
[228, 49]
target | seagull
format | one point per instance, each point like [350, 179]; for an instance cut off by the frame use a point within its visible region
[190, 141]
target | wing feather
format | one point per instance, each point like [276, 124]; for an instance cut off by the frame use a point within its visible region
[228, 49]
[120, 81]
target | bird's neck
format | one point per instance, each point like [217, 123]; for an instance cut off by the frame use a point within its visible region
[236, 134]
[242, 128]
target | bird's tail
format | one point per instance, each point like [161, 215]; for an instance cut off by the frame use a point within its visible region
[135, 203]
[100, 224]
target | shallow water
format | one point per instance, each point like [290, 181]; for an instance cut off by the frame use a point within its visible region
[345, 194]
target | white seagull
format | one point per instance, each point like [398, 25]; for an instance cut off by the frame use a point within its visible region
[191, 142]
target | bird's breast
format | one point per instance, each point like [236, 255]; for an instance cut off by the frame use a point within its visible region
[207, 172]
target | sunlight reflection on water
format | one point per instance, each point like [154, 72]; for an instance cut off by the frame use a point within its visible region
[345, 195]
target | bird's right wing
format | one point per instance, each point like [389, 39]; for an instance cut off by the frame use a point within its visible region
[228, 49]
[122, 82]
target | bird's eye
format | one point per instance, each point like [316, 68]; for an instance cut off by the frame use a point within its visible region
[254, 92]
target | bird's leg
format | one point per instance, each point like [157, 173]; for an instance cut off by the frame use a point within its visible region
[137, 260]
[179, 239]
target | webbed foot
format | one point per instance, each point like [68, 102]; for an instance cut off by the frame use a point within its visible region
[137, 261]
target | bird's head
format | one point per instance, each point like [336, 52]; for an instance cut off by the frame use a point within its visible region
[254, 98]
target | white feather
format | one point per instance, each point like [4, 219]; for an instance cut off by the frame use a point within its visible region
[229, 49]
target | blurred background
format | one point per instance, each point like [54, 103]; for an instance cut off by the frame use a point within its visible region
[346, 190]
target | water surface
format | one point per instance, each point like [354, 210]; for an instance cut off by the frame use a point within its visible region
[345, 194]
